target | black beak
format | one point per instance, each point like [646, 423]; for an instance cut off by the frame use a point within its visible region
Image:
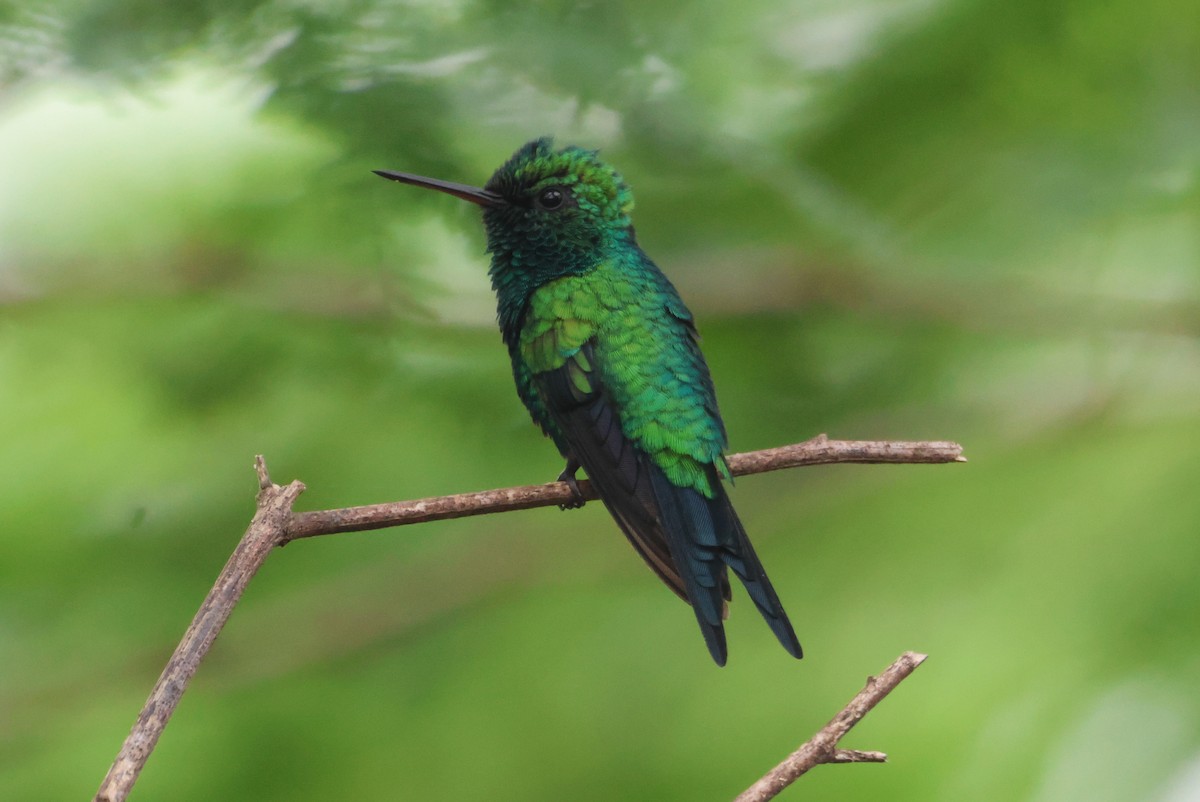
[464, 191]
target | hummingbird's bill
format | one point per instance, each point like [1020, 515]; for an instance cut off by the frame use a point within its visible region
[464, 191]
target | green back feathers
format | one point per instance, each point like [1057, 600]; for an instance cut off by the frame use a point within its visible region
[646, 361]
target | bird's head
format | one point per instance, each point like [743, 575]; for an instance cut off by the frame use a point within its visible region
[568, 195]
[548, 213]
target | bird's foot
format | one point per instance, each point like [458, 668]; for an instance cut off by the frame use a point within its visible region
[568, 476]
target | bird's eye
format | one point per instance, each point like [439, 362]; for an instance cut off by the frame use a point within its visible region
[551, 198]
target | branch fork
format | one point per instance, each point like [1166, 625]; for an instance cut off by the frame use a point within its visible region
[822, 747]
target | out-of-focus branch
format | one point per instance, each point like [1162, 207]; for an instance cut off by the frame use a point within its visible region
[822, 747]
[275, 524]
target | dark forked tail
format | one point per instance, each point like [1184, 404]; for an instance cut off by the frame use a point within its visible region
[705, 537]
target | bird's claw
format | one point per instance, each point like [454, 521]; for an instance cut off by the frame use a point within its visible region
[577, 499]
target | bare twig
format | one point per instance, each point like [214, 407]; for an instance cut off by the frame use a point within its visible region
[275, 524]
[822, 747]
[266, 531]
[818, 451]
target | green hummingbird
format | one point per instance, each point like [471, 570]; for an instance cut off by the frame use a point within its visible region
[606, 358]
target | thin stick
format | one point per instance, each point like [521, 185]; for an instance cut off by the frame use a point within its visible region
[266, 531]
[822, 747]
[275, 524]
[818, 451]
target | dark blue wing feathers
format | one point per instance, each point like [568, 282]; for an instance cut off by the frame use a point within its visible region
[687, 539]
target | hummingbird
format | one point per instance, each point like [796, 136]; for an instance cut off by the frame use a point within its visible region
[606, 358]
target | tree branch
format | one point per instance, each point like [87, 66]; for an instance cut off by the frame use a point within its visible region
[822, 747]
[818, 451]
[275, 524]
[266, 531]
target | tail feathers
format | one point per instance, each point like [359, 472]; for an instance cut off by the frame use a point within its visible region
[706, 537]
[688, 528]
[745, 563]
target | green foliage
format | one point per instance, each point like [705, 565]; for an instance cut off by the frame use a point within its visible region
[970, 220]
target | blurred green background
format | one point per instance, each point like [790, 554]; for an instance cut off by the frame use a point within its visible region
[960, 219]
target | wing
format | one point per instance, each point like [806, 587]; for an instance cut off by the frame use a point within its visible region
[528, 393]
[632, 485]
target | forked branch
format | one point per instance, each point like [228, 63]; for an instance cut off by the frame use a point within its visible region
[822, 747]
